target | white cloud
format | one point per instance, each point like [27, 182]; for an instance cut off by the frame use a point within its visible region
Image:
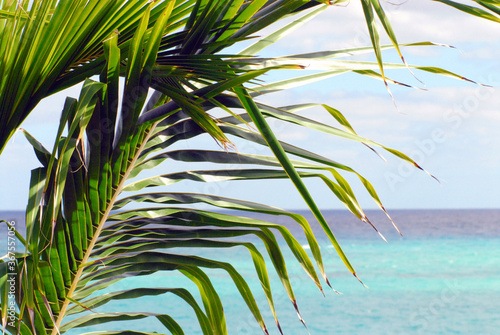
[472, 132]
[413, 21]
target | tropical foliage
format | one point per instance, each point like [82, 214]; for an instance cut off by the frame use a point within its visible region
[89, 225]
[489, 8]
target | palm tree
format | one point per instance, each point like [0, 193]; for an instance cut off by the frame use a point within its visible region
[86, 227]
[50, 45]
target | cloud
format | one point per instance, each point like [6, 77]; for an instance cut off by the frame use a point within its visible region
[413, 21]
[416, 19]
[444, 124]
[468, 115]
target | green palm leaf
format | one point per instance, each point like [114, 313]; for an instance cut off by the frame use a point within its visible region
[85, 234]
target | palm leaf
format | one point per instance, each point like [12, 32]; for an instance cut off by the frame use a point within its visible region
[492, 8]
[86, 232]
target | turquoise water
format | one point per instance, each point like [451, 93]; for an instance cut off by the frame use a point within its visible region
[443, 277]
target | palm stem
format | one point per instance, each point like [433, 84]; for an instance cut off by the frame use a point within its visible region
[90, 248]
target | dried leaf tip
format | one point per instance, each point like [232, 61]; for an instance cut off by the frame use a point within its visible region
[376, 152]
[279, 327]
[392, 221]
[294, 302]
[419, 167]
[355, 275]
[328, 283]
[366, 220]
[226, 145]
[383, 237]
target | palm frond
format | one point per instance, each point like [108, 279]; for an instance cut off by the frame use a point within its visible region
[88, 228]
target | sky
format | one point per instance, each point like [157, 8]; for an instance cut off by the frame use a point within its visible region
[450, 128]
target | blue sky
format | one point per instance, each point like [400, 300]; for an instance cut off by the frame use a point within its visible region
[451, 129]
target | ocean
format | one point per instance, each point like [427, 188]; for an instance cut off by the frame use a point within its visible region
[441, 277]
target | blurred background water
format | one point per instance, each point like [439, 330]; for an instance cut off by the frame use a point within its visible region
[442, 277]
